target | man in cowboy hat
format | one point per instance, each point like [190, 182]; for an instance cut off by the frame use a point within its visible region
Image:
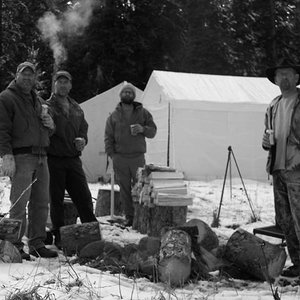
[282, 139]
[125, 132]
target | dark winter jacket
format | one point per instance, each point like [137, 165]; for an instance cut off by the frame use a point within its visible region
[21, 129]
[68, 127]
[293, 140]
[118, 138]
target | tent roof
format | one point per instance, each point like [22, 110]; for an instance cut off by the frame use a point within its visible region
[214, 88]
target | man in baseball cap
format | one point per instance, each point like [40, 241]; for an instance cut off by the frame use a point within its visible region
[65, 167]
[24, 137]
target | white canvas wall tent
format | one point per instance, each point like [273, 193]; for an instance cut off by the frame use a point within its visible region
[199, 116]
[96, 111]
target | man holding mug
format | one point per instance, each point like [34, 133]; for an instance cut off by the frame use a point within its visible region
[125, 132]
[65, 166]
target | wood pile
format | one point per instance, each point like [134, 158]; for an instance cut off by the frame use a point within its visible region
[160, 186]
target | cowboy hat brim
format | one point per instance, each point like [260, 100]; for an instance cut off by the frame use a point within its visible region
[270, 72]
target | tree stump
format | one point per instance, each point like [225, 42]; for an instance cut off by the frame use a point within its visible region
[103, 203]
[175, 252]
[253, 255]
[70, 212]
[75, 237]
[9, 229]
[9, 253]
[151, 220]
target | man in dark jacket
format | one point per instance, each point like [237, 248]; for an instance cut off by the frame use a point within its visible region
[281, 138]
[125, 132]
[64, 162]
[24, 136]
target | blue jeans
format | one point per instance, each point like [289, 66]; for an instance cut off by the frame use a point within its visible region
[286, 185]
[28, 168]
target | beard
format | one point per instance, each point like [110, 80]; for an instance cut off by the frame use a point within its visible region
[127, 99]
[284, 85]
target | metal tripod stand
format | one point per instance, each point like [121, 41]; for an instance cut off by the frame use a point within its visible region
[228, 166]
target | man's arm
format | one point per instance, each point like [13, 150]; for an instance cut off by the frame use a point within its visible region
[6, 115]
[109, 137]
[150, 128]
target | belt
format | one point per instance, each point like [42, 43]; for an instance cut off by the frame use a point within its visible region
[30, 150]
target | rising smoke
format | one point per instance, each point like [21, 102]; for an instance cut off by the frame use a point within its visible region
[71, 23]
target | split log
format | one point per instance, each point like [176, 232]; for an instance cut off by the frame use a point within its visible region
[75, 237]
[103, 203]
[253, 255]
[175, 257]
[150, 220]
[206, 238]
[9, 253]
[9, 229]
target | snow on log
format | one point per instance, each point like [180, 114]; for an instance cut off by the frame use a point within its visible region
[175, 257]
[75, 237]
[253, 255]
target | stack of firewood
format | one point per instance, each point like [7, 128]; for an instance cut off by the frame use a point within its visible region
[161, 186]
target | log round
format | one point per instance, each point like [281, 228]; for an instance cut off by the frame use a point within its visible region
[150, 220]
[103, 204]
[75, 237]
[9, 253]
[253, 255]
[174, 265]
[206, 238]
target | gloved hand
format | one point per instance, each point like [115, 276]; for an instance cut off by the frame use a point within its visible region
[266, 141]
[8, 165]
[47, 121]
[136, 128]
[79, 143]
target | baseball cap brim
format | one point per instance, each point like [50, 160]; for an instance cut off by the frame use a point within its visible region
[62, 74]
[21, 67]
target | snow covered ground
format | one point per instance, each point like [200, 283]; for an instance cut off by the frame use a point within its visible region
[58, 279]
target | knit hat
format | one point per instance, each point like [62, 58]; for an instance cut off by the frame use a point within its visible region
[128, 86]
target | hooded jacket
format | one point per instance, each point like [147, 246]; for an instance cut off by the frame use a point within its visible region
[21, 129]
[118, 138]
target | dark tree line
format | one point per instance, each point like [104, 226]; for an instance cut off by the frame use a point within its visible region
[128, 39]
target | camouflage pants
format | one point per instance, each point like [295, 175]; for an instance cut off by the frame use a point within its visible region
[286, 186]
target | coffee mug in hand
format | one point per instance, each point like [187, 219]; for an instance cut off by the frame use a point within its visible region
[132, 129]
[44, 110]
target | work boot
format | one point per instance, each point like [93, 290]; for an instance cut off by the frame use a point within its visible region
[24, 255]
[43, 252]
[292, 271]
